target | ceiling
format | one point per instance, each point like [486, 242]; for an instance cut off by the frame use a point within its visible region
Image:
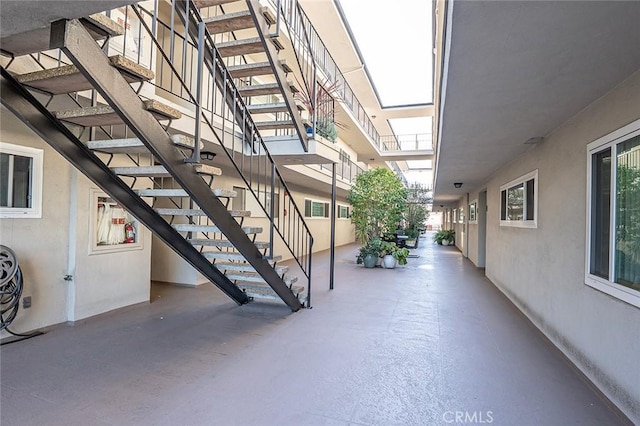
[18, 16]
[519, 69]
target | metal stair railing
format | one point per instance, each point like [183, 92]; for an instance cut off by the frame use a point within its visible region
[205, 83]
[326, 63]
[25, 106]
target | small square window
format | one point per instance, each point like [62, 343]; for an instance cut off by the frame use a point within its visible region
[519, 202]
[20, 181]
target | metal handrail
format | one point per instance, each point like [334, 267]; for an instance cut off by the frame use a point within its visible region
[408, 142]
[224, 112]
[328, 66]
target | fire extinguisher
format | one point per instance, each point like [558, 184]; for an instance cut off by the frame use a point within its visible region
[129, 232]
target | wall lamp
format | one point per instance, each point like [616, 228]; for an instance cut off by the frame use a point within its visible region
[207, 155]
[458, 184]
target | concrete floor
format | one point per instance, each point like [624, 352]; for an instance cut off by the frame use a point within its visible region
[427, 344]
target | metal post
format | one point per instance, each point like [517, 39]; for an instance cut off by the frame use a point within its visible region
[333, 225]
[195, 157]
[272, 208]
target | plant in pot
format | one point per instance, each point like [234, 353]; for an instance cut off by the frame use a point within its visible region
[387, 250]
[445, 237]
[378, 201]
[393, 255]
[370, 252]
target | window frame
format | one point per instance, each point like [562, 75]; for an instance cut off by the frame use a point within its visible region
[454, 216]
[343, 206]
[607, 285]
[35, 184]
[522, 180]
[473, 212]
[327, 212]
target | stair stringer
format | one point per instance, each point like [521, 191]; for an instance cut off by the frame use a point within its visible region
[76, 43]
[27, 108]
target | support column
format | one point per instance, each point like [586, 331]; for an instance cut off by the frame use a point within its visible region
[333, 225]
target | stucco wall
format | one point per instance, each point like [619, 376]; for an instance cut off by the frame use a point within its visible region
[58, 244]
[41, 245]
[542, 270]
[169, 267]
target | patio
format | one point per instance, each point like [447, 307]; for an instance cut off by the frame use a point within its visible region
[430, 343]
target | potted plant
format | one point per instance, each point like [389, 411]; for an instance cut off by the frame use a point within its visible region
[387, 250]
[393, 255]
[445, 237]
[378, 201]
[370, 252]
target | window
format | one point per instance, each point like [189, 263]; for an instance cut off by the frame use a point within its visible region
[20, 181]
[455, 215]
[314, 208]
[519, 202]
[343, 212]
[473, 214]
[113, 229]
[613, 226]
[461, 215]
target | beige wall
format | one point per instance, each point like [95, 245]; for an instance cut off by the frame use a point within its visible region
[58, 244]
[169, 267]
[542, 270]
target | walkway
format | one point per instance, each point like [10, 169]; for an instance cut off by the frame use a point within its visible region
[433, 343]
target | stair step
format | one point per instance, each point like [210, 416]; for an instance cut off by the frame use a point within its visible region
[229, 22]
[68, 78]
[38, 40]
[223, 193]
[240, 47]
[223, 243]
[232, 255]
[274, 125]
[161, 171]
[267, 108]
[255, 69]
[253, 289]
[198, 212]
[104, 115]
[253, 277]
[189, 227]
[208, 3]
[246, 267]
[264, 89]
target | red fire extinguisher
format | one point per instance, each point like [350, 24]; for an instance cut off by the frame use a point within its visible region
[129, 232]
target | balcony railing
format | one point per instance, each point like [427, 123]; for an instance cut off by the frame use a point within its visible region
[304, 30]
[414, 142]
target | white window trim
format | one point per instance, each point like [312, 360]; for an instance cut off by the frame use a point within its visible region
[338, 212]
[454, 216]
[94, 248]
[35, 212]
[317, 217]
[475, 219]
[531, 224]
[607, 286]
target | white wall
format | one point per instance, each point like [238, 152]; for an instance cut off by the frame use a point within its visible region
[542, 270]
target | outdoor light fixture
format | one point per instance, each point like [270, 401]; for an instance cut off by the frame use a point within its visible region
[207, 155]
[458, 184]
